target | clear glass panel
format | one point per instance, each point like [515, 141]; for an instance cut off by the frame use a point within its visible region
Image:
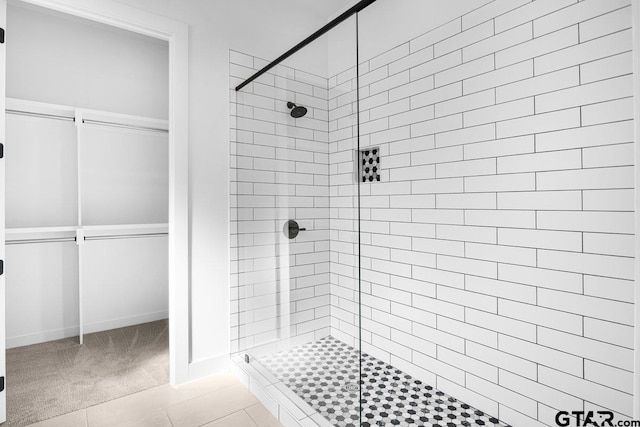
[420, 140]
[295, 290]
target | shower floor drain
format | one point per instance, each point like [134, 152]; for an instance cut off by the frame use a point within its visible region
[351, 388]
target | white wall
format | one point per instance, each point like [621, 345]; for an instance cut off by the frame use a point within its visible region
[125, 282]
[498, 250]
[42, 176]
[55, 58]
[131, 188]
[42, 293]
[389, 23]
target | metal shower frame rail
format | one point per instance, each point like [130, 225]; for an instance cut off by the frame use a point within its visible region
[343, 17]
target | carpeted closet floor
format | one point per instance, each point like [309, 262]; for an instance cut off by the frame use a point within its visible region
[58, 377]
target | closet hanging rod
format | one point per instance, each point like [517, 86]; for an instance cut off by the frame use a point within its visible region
[86, 121]
[126, 236]
[45, 240]
[120, 125]
[73, 239]
[42, 115]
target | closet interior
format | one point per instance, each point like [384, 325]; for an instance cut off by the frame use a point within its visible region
[87, 177]
[86, 221]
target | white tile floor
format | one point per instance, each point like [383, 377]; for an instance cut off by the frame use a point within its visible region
[217, 401]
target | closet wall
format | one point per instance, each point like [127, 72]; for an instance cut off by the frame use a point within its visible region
[107, 177]
[61, 59]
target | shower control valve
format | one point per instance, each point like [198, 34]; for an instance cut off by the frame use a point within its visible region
[292, 229]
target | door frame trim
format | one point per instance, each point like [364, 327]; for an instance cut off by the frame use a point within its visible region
[176, 34]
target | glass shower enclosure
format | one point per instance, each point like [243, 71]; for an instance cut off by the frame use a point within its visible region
[348, 234]
[295, 224]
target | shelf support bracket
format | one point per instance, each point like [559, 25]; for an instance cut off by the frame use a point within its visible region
[80, 236]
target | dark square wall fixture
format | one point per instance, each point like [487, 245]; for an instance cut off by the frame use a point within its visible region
[370, 165]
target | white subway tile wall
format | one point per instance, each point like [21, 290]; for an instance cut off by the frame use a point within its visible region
[496, 252]
[279, 171]
[505, 271]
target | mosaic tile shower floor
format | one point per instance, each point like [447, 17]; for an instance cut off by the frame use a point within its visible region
[325, 375]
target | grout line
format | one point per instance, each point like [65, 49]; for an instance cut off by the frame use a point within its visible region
[168, 418]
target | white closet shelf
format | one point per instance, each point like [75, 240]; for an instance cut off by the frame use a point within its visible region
[101, 118]
[89, 117]
[22, 106]
[39, 233]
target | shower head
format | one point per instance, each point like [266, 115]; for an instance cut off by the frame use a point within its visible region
[297, 111]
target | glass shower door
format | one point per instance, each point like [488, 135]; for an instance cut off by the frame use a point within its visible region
[294, 221]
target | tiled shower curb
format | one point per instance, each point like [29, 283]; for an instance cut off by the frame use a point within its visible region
[283, 403]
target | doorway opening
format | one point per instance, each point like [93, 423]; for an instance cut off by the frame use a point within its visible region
[91, 252]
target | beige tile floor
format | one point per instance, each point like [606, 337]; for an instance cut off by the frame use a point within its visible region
[218, 401]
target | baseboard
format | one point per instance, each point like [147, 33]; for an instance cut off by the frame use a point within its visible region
[58, 334]
[124, 322]
[40, 337]
[204, 368]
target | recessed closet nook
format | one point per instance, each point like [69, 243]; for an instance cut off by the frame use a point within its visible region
[87, 177]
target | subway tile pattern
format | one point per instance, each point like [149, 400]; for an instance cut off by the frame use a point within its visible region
[326, 375]
[497, 252]
[279, 168]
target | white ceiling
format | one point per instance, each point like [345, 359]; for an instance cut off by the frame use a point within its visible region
[326, 8]
[65, 16]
